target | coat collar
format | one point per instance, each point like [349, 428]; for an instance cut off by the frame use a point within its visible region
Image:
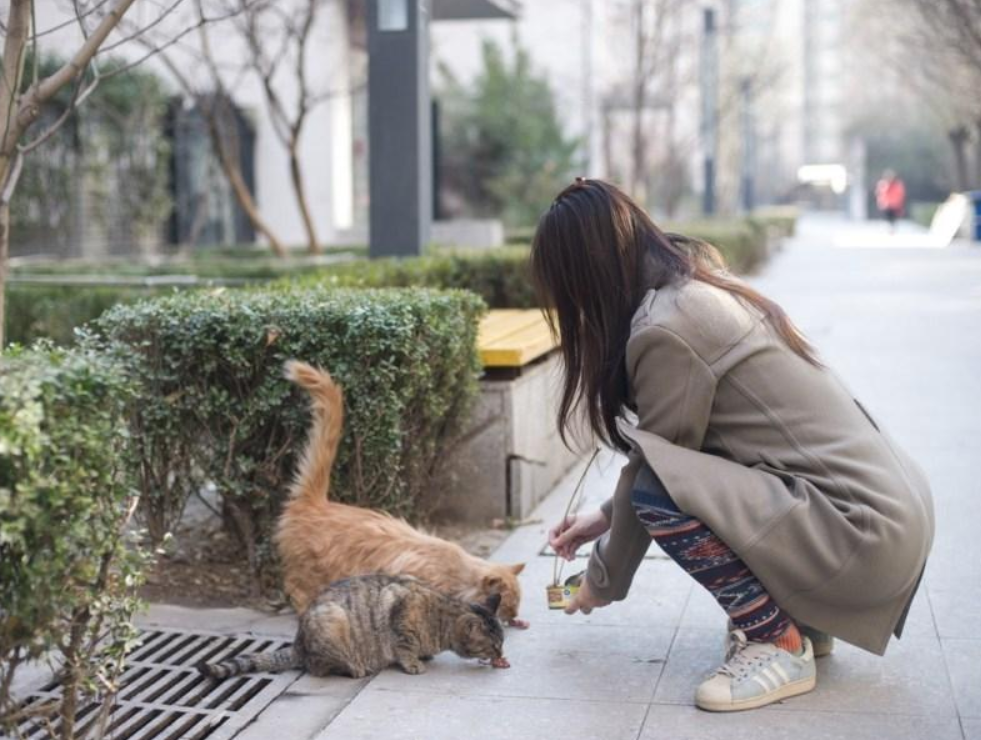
[642, 315]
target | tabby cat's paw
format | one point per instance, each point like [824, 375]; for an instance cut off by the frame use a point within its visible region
[414, 668]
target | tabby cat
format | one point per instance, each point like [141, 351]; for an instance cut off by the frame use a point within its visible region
[358, 626]
[321, 541]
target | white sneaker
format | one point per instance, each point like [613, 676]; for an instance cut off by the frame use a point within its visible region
[756, 674]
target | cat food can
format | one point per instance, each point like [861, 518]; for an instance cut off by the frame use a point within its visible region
[560, 596]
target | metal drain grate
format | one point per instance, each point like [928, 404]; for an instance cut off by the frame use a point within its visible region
[163, 697]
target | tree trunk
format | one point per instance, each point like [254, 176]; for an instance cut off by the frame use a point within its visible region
[639, 102]
[958, 142]
[4, 251]
[230, 166]
[14, 48]
[313, 245]
[977, 155]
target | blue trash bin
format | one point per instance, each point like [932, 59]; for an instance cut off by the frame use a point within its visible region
[975, 198]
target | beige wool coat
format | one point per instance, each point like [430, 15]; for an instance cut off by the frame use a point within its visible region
[777, 458]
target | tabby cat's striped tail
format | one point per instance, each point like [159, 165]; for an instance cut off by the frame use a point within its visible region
[282, 660]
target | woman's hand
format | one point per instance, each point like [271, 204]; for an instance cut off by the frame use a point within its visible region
[584, 601]
[575, 531]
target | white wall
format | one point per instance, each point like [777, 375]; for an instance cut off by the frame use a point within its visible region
[325, 146]
[560, 41]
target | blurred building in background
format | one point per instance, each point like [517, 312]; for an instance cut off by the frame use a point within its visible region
[630, 83]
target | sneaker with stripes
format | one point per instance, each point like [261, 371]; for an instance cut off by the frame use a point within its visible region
[756, 674]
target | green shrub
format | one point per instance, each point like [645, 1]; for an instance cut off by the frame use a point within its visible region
[780, 220]
[500, 276]
[67, 574]
[742, 242]
[210, 371]
[923, 213]
[54, 312]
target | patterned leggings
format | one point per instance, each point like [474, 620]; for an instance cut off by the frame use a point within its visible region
[708, 560]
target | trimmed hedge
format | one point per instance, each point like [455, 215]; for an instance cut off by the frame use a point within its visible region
[54, 312]
[210, 374]
[500, 276]
[67, 573]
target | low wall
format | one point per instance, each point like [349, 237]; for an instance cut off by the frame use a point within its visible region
[511, 456]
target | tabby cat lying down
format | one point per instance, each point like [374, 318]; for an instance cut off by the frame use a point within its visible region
[358, 626]
[321, 541]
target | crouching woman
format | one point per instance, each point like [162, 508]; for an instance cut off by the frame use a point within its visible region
[749, 462]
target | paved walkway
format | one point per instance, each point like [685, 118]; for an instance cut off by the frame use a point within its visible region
[903, 326]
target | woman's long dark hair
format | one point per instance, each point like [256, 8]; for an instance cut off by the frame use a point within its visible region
[594, 257]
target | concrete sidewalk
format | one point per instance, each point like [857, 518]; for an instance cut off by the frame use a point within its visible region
[903, 327]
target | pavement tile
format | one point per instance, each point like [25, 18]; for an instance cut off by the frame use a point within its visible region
[972, 729]
[688, 723]
[304, 709]
[957, 611]
[694, 655]
[567, 662]
[919, 621]
[657, 596]
[402, 715]
[910, 679]
[964, 665]
[225, 621]
[849, 681]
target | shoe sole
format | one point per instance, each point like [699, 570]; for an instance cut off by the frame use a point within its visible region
[784, 692]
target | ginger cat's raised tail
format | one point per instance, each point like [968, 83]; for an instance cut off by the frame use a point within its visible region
[322, 541]
[327, 407]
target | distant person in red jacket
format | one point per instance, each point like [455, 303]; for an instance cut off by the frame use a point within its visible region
[890, 197]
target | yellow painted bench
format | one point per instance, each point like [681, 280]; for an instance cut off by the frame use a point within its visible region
[513, 338]
[510, 455]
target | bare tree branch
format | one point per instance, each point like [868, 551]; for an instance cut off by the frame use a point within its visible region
[154, 49]
[76, 65]
[79, 96]
[153, 24]
[65, 24]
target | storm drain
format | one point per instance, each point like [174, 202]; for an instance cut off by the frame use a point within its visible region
[163, 697]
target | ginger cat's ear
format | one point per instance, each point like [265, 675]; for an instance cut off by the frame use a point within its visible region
[490, 584]
[517, 568]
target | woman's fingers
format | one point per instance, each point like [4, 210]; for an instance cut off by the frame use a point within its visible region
[573, 606]
[560, 534]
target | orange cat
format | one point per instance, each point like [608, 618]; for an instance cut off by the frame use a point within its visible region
[320, 541]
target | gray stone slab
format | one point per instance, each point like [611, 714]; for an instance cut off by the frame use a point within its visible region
[304, 709]
[694, 655]
[402, 715]
[688, 723]
[226, 621]
[910, 679]
[972, 729]
[964, 665]
[571, 662]
[657, 597]
[958, 612]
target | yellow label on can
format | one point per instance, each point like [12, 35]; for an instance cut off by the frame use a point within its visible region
[560, 596]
